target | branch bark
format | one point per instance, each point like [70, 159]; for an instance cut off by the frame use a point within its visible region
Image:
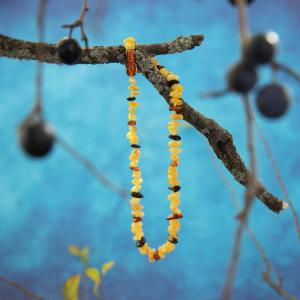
[219, 139]
[43, 52]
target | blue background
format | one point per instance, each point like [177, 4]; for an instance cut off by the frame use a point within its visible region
[46, 205]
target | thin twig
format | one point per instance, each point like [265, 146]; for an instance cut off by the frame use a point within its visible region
[89, 165]
[39, 68]
[249, 198]
[243, 23]
[269, 267]
[251, 186]
[279, 178]
[80, 23]
[215, 94]
[287, 70]
[21, 288]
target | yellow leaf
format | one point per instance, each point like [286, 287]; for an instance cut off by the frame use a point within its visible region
[95, 276]
[82, 253]
[71, 287]
[107, 266]
[74, 250]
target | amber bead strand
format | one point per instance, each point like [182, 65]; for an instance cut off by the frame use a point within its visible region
[174, 144]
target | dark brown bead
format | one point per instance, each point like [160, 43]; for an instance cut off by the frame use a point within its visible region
[159, 67]
[137, 195]
[135, 168]
[131, 98]
[175, 188]
[131, 123]
[141, 242]
[136, 219]
[135, 146]
[156, 256]
[174, 164]
[173, 240]
[175, 137]
[174, 217]
[171, 82]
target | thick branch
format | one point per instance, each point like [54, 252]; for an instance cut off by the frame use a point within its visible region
[43, 52]
[220, 139]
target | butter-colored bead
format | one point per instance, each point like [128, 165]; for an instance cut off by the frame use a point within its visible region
[176, 117]
[134, 201]
[177, 86]
[138, 213]
[136, 188]
[176, 94]
[137, 207]
[144, 250]
[172, 77]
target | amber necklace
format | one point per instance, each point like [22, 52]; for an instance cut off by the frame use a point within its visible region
[174, 148]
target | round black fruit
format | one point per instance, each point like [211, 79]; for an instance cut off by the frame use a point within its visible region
[261, 48]
[36, 137]
[69, 51]
[273, 100]
[233, 2]
[241, 78]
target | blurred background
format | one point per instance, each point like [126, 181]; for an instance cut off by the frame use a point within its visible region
[48, 204]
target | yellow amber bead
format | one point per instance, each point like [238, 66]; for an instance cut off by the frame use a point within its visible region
[176, 117]
[176, 94]
[177, 87]
[168, 247]
[161, 252]
[151, 253]
[175, 202]
[175, 224]
[175, 150]
[134, 140]
[172, 77]
[133, 88]
[177, 102]
[131, 110]
[174, 196]
[137, 237]
[132, 79]
[133, 104]
[134, 201]
[137, 181]
[131, 117]
[144, 249]
[154, 61]
[174, 157]
[137, 207]
[136, 188]
[138, 213]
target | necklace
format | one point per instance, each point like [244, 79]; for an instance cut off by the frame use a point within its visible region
[174, 148]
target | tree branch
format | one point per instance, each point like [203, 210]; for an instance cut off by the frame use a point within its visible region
[43, 52]
[21, 288]
[220, 139]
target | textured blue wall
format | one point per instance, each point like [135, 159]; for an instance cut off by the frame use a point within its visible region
[47, 205]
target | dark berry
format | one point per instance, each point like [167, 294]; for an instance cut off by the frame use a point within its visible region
[261, 48]
[273, 100]
[241, 78]
[233, 2]
[69, 51]
[36, 136]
